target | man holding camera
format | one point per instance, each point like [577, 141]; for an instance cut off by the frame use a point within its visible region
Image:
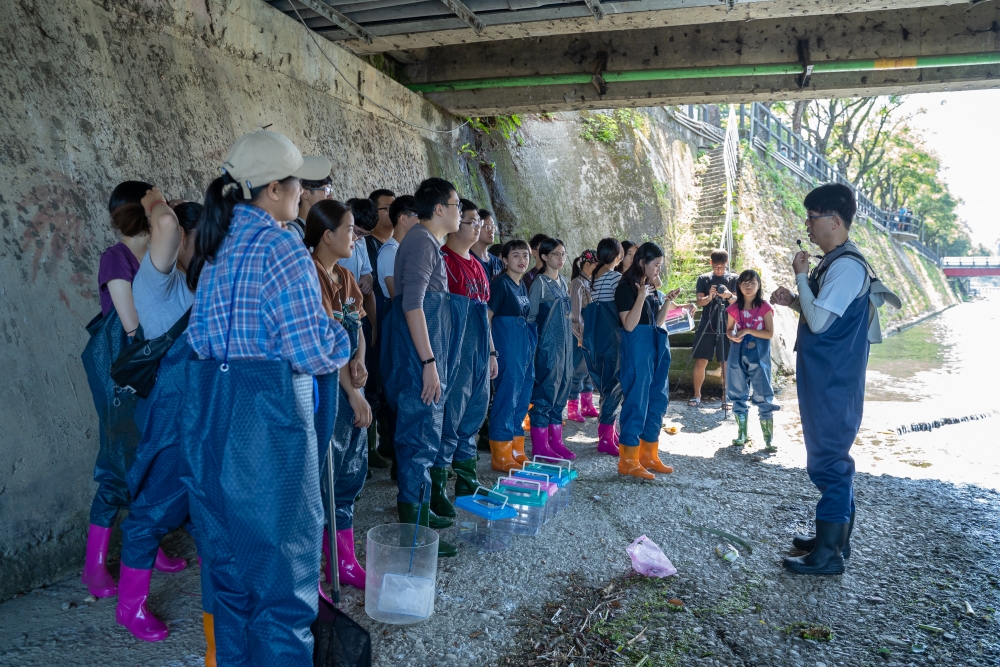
[715, 292]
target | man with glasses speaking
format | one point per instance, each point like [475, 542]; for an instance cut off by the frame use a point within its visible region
[837, 304]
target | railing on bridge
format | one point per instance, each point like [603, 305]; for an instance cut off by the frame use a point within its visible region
[768, 133]
[971, 267]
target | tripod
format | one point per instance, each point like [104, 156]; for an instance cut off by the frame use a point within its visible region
[720, 348]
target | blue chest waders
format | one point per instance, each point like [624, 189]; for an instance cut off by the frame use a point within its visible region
[515, 340]
[553, 363]
[469, 395]
[250, 445]
[418, 439]
[645, 370]
[601, 343]
[350, 450]
[748, 376]
[119, 436]
[830, 378]
[160, 498]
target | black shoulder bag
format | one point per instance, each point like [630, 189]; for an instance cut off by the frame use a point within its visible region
[135, 368]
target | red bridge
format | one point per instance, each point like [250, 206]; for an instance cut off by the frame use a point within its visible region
[970, 267]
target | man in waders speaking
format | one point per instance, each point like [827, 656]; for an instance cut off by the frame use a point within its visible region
[837, 303]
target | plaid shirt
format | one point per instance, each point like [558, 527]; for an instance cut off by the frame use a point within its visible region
[278, 311]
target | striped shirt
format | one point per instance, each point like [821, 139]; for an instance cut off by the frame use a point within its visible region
[605, 286]
[277, 312]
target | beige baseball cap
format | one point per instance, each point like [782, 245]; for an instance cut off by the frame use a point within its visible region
[260, 157]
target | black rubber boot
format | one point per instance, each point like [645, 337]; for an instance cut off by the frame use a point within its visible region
[826, 557]
[466, 482]
[408, 514]
[375, 459]
[440, 504]
[808, 542]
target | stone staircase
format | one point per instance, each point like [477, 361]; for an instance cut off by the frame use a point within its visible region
[710, 216]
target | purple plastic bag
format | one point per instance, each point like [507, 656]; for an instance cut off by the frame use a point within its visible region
[648, 559]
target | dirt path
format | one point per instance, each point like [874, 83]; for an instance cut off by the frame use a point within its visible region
[923, 548]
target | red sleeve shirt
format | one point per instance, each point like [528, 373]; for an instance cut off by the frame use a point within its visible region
[466, 276]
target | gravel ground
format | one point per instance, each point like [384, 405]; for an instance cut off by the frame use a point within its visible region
[925, 554]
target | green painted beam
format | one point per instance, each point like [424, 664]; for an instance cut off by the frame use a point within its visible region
[726, 71]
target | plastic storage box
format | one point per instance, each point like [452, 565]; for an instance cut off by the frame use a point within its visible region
[549, 485]
[488, 520]
[528, 500]
[679, 320]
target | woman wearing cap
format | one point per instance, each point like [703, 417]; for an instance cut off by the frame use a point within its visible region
[248, 421]
[581, 389]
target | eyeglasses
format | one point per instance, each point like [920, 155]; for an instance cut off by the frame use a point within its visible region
[326, 189]
[557, 255]
[382, 208]
[458, 206]
[474, 223]
[816, 217]
[361, 233]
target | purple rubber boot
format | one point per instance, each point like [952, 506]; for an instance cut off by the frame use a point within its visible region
[95, 572]
[131, 612]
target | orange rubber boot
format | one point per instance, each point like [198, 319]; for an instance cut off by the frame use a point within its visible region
[526, 424]
[501, 457]
[517, 450]
[209, 622]
[649, 457]
[628, 463]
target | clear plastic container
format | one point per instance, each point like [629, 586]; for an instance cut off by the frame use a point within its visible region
[528, 500]
[486, 521]
[560, 470]
[400, 579]
[679, 320]
[553, 505]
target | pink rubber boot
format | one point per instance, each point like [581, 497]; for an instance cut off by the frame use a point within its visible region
[587, 408]
[573, 411]
[165, 563]
[556, 443]
[350, 569]
[131, 612]
[540, 443]
[606, 439]
[95, 572]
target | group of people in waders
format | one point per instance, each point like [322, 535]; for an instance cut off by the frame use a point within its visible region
[270, 322]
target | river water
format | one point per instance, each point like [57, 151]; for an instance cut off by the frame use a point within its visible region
[944, 367]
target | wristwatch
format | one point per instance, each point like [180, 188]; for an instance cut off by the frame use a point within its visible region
[493, 353]
[427, 361]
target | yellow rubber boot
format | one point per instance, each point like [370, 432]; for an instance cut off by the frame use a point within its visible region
[209, 622]
[517, 450]
[501, 457]
[649, 457]
[628, 463]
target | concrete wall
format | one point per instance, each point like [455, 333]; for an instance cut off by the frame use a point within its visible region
[99, 92]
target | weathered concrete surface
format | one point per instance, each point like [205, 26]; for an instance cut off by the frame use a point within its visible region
[96, 93]
[683, 13]
[896, 33]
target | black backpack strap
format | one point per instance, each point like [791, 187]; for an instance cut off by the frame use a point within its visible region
[179, 326]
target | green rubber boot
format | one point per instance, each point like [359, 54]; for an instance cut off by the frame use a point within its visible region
[767, 428]
[408, 514]
[440, 504]
[741, 439]
[375, 459]
[467, 482]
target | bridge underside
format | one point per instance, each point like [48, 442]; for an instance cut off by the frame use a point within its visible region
[674, 52]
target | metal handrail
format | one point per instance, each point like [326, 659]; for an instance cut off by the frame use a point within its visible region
[730, 156]
[768, 133]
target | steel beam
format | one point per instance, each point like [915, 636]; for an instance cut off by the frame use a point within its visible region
[464, 13]
[338, 19]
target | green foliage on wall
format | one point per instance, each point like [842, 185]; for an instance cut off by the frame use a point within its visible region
[610, 126]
